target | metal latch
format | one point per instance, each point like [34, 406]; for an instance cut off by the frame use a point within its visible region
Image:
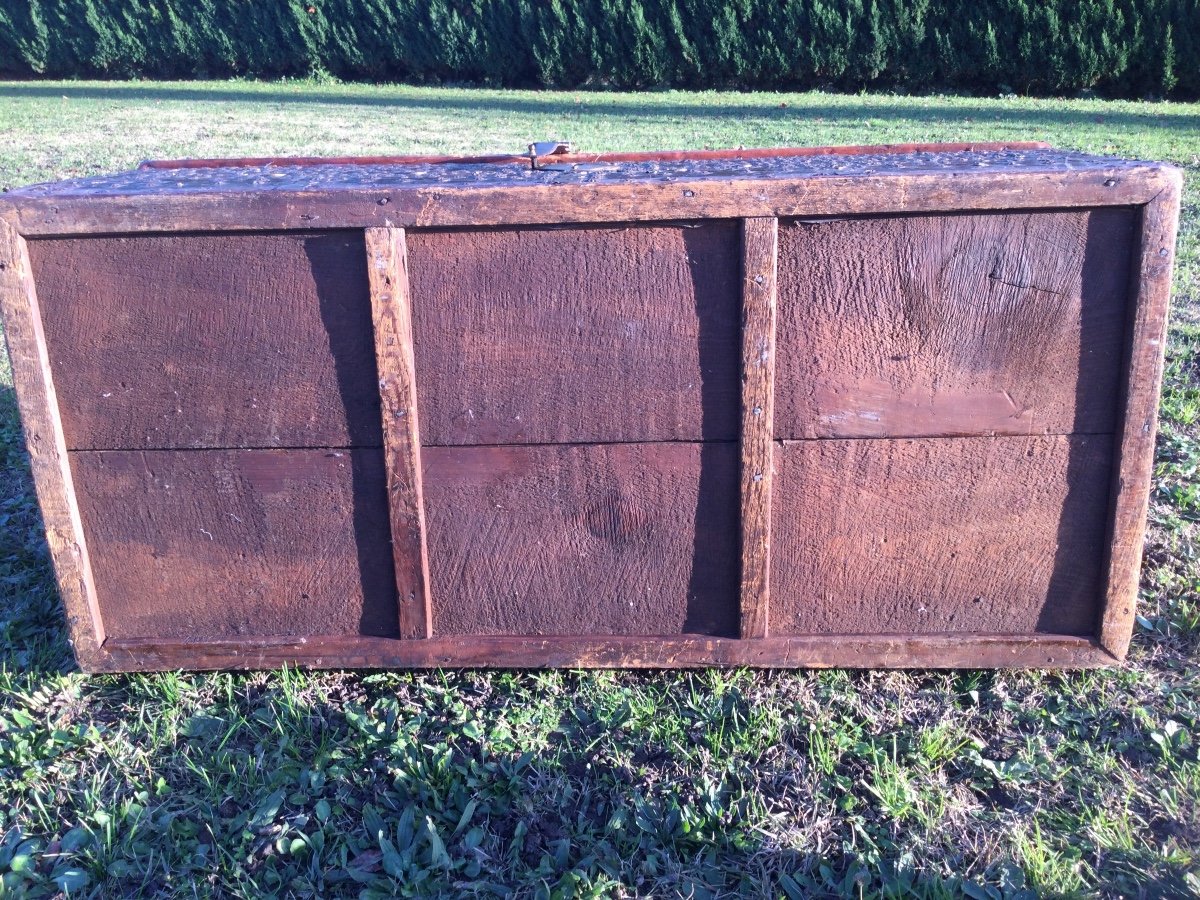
[547, 148]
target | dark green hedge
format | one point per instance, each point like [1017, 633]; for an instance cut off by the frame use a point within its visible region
[1116, 47]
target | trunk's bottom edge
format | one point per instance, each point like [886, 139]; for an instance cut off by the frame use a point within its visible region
[947, 651]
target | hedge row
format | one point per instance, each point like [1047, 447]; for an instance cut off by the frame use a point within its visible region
[1116, 47]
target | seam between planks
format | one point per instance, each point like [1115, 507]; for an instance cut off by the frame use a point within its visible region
[606, 443]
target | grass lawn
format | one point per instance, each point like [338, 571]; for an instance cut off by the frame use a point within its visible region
[565, 784]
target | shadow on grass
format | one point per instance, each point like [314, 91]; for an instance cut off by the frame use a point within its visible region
[33, 635]
[936, 111]
[427, 783]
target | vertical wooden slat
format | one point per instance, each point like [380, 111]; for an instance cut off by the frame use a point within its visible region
[1134, 461]
[391, 311]
[48, 450]
[760, 251]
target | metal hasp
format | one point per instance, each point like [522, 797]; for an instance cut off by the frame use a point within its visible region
[547, 148]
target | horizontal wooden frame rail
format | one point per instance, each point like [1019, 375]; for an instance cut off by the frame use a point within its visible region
[383, 216]
[608, 652]
[1129, 185]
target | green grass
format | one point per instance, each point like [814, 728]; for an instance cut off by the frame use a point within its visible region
[561, 784]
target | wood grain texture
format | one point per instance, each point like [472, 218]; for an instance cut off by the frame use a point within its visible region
[970, 302]
[953, 325]
[236, 544]
[760, 252]
[211, 341]
[1141, 382]
[47, 450]
[580, 335]
[609, 652]
[604, 539]
[391, 311]
[1002, 535]
[559, 155]
[1117, 185]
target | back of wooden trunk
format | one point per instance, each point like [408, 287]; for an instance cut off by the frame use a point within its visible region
[221, 412]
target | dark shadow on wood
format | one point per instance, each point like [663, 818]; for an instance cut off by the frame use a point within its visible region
[712, 599]
[345, 318]
[1108, 262]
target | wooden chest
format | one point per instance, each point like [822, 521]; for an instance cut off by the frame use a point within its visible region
[853, 407]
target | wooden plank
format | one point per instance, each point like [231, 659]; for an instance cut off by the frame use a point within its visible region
[583, 539]
[636, 201]
[236, 544]
[609, 652]
[211, 341]
[577, 335]
[391, 311]
[560, 156]
[935, 535]
[760, 255]
[953, 325]
[47, 450]
[1141, 383]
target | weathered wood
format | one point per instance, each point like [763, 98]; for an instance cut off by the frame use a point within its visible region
[210, 340]
[600, 539]
[608, 652]
[213, 544]
[47, 449]
[760, 253]
[561, 156]
[965, 347]
[581, 335]
[391, 310]
[1134, 463]
[936, 535]
[1114, 185]
[953, 325]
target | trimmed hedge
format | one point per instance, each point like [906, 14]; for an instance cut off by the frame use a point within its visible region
[1130, 48]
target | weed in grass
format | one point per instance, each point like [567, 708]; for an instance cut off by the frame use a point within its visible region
[1049, 868]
